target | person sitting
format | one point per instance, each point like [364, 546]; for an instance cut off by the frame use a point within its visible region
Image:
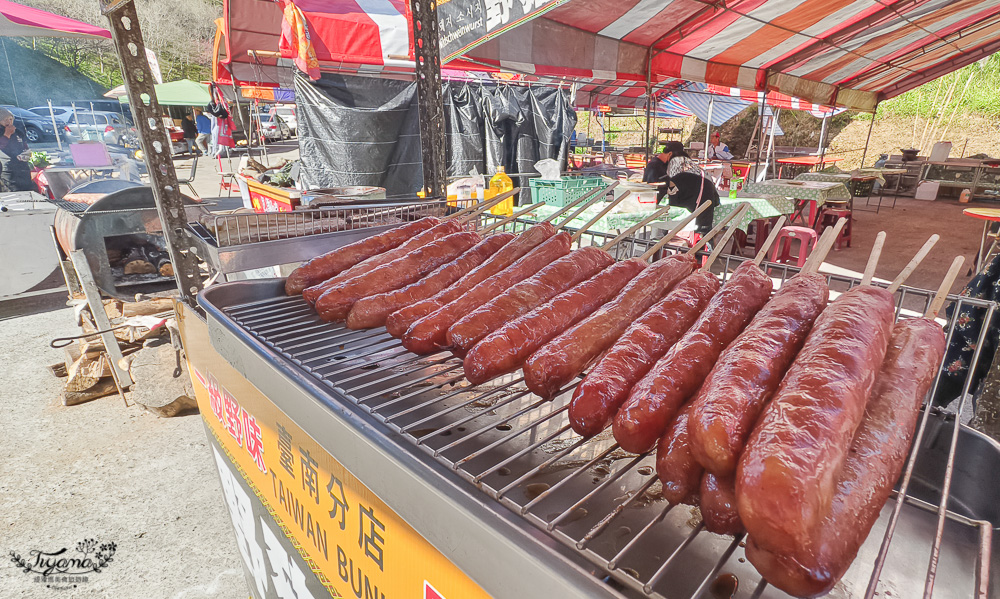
[682, 182]
[16, 174]
[716, 149]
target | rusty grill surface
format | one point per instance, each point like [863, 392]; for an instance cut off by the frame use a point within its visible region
[934, 537]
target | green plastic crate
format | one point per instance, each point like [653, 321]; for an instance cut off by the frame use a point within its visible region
[559, 192]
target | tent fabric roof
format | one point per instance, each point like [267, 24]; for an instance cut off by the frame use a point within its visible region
[17, 20]
[850, 53]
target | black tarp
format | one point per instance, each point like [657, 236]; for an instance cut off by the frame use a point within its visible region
[365, 131]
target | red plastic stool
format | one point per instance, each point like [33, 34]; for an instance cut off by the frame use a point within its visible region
[782, 250]
[829, 217]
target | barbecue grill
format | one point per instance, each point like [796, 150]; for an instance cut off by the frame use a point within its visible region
[122, 219]
[495, 478]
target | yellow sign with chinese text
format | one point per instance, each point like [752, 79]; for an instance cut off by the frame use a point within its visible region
[351, 540]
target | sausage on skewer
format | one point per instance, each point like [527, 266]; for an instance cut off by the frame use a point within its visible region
[337, 300]
[370, 312]
[877, 454]
[311, 294]
[327, 265]
[430, 332]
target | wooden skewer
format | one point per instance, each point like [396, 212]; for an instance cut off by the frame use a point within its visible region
[607, 246]
[866, 278]
[475, 207]
[584, 198]
[945, 287]
[770, 240]
[822, 249]
[512, 217]
[913, 264]
[725, 238]
[675, 231]
[715, 230]
[597, 198]
[599, 216]
[486, 205]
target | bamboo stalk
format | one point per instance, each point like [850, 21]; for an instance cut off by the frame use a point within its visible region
[673, 232]
[826, 242]
[769, 241]
[607, 246]
[725, 239]
[945, 287]
[715, 230]
[596, 198]
[584, 198]
[599, 216]
[479, 207]
[512, 217]
[866, 278]
[913, 263]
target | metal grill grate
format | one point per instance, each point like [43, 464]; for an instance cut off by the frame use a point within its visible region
[604, 503]
[230, 230]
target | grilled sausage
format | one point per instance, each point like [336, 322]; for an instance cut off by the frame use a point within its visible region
[401, 320]
[327, 265]
[787, 474]
[876, 459]
[505, 349]
[748, 372]
[369, 312]
[524, 296]
[655, 399]
[679, 473]
[596, 400]
[311, 294]
[337, 300]
[717, 499]
[566, 356]
[430, 332]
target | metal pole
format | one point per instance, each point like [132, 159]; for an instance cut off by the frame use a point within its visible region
[124, 25]
[869, 138]
[770, 145]
[821, 150]
[760, 138]
[649, 101]
[708, 125]
[430, 103]
[55, 127]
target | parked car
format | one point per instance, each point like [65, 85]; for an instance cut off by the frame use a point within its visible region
[35, 127]
[287, 114]
[274, 127]
[60, 112]
[109, 127]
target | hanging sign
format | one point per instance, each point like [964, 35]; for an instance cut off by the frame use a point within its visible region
[465, 24]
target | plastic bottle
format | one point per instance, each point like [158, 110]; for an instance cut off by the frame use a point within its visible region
[501, 183]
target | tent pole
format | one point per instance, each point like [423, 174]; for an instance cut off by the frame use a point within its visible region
[760, 138]
[55, 127]
[869, 138]
[822, 137]
[708, 125]
[770, 146]
[649, 101]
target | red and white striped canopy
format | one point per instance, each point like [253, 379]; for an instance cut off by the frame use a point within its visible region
[850, 53]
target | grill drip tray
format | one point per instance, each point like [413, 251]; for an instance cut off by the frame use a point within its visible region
[598, 502]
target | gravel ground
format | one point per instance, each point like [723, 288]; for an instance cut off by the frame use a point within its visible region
[107, 472]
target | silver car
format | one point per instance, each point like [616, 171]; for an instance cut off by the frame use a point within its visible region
[109, 127]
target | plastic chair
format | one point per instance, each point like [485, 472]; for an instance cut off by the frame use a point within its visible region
[782, 250]
[829, 217]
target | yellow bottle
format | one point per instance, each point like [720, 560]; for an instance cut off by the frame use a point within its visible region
[501, 183]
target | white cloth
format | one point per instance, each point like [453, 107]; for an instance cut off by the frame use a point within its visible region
[718, 152]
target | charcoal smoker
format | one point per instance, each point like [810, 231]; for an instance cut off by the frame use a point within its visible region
[121, 237]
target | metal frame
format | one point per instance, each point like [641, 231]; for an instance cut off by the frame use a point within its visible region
[101, 320]
[124, 26]
[581, 494]
[427, 56]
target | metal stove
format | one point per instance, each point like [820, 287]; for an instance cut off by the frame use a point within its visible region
[495, 478]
